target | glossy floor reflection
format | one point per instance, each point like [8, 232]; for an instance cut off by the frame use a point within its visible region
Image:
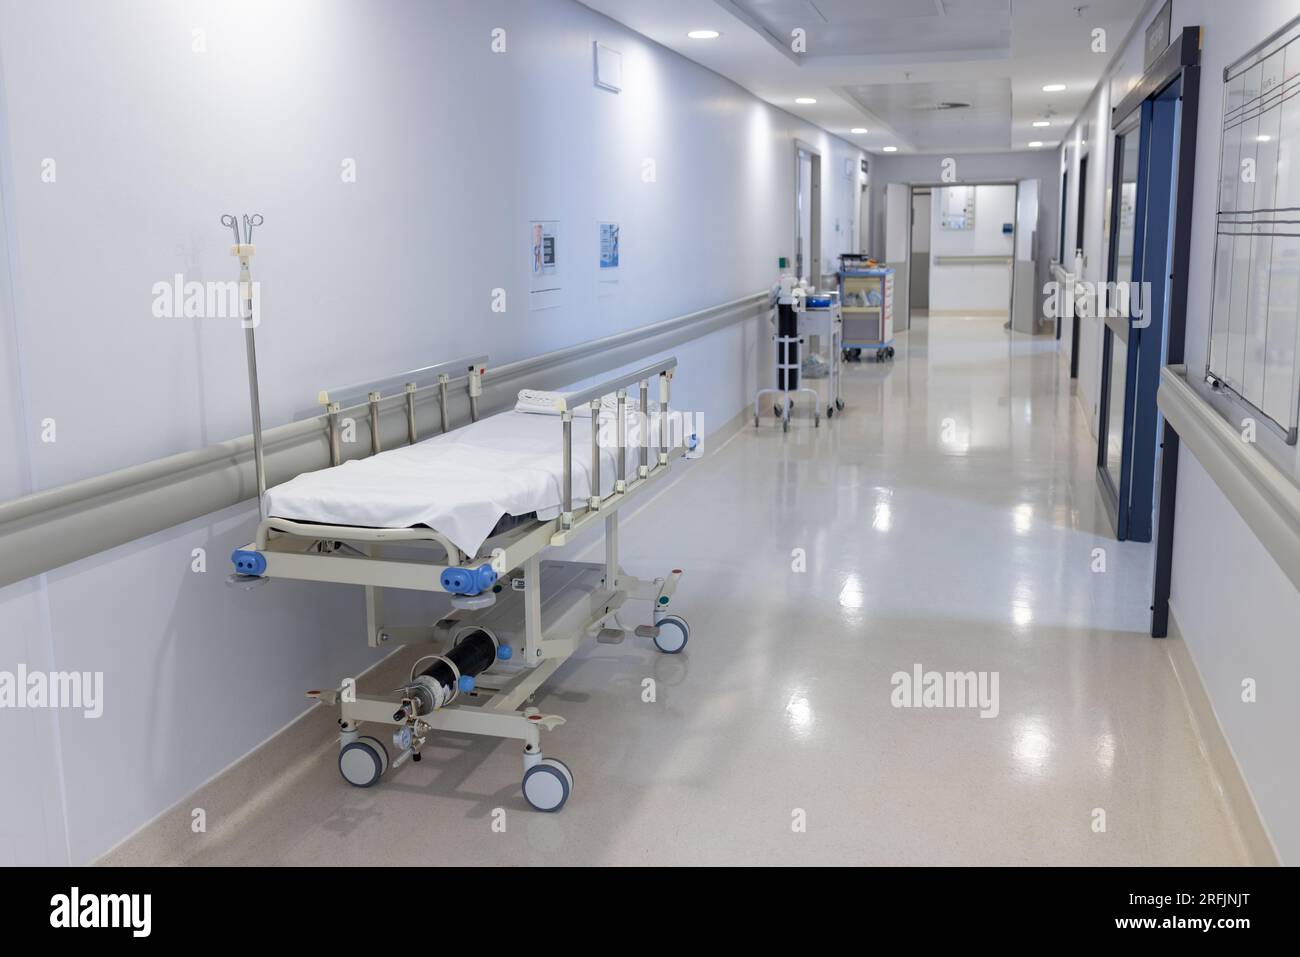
[948, 520]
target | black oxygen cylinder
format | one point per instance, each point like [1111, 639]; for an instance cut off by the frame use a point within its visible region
[787, 353]
[473, 655]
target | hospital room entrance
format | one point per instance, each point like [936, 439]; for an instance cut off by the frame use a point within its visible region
[963, 250]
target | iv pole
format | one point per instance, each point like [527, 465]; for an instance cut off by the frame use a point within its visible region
[245, 250]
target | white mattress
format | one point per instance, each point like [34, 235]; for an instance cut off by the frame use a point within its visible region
[461, 483]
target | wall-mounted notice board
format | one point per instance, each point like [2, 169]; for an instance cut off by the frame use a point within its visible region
[1256, 302]
[957, 207]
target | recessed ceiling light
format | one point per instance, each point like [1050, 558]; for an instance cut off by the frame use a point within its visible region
[1042, 123]
[1054, 88]
[1263, 138]
[859, 130]
[1035, 144]
[805, 100]
[704, 34]
[890, 149]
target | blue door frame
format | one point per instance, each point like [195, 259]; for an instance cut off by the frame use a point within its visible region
[1133, 501]
[1171, 80]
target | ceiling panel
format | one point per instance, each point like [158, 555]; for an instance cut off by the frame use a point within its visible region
[865, 27]
[915, 111]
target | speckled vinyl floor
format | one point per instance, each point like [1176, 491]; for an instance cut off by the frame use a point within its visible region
[949, 520]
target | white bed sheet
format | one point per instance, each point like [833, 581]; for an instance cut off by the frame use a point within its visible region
[463, 482]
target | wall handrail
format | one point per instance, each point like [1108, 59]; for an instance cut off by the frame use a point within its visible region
[56, 526]
[1262, 494]
[972, 260]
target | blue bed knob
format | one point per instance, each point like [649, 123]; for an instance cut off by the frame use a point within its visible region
[248, 562]
[468, 581]
[465, 684]
[505, 652]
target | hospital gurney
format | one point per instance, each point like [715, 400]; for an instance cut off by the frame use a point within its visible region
[515, 617]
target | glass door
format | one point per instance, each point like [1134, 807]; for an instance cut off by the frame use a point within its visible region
[1134, 340]
[1125, 242]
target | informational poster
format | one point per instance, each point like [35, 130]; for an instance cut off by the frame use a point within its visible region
[609, 247]
[957, 210]
[608, 260]
[544, 264]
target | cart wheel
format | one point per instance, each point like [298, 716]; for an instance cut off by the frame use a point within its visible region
[363, 762]
[776, 409]
[672, 639]
[891, 352]
[830, 411]
[839, 405]
[785, 425]
[817, 420]
[755, 421]
[548, 784]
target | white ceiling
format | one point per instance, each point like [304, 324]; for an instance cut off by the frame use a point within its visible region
[886, 64]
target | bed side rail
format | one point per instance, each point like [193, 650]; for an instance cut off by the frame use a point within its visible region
[406, 387]
[593, 396]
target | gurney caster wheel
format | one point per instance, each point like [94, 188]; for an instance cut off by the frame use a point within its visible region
[363, 762]
[674, 632]
[548, 784]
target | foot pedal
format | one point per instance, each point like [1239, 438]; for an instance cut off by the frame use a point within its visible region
[647, 631]
[611, 636]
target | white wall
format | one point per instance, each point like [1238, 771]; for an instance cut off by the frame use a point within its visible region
[1237, 610]
[456, 148]
[972, 289]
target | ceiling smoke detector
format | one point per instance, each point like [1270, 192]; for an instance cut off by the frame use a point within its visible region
[951, 105]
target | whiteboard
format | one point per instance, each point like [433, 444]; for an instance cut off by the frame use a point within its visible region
[1255, 313]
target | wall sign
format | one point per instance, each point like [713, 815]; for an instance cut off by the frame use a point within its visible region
[544, 264]
[1159, 32]
[957, 209]
[608, 64]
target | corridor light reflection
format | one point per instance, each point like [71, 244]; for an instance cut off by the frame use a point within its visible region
[851, 595]
[882, 515]
[799, 715]
[1032, 745]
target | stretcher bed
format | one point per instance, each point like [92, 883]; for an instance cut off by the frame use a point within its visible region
[469, 512]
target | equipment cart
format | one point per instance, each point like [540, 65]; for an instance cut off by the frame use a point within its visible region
[821, 318]
[867, 305]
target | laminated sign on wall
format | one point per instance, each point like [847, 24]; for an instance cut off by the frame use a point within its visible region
[544, 264]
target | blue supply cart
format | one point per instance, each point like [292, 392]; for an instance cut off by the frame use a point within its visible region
[867, 307]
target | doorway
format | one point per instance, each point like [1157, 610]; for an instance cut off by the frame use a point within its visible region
[808, 214]
[971, 249]
[864, 219]
[1080, 212]
[1134, 338]
[919, 269]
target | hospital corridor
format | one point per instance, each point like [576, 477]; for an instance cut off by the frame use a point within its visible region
[448, 438]
[919, 549]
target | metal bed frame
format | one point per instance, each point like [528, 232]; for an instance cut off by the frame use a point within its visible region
[534, 613]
